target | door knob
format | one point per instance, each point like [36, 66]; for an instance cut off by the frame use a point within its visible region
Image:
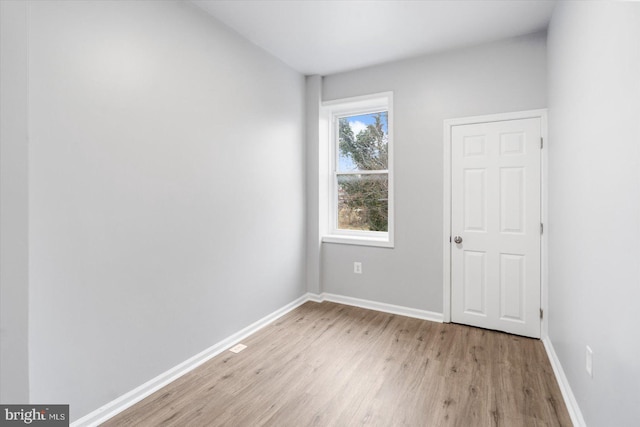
[457, 239]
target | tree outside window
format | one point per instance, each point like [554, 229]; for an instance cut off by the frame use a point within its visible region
[362, 172]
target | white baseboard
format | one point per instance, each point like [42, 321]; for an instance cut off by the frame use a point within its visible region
[123, 402]
[569, 399]
[315, 297]
[378, 306]
[127, 400]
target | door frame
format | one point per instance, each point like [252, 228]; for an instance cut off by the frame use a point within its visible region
[446, 229]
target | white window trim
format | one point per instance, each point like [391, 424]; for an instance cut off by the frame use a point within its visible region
[350, 107]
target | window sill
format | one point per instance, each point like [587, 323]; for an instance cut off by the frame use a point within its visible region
[358, 240]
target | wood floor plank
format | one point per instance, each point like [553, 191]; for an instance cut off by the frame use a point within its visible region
[326, 364]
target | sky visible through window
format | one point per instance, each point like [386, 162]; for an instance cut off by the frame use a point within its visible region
[357, 124]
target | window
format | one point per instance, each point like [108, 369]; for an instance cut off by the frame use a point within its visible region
[361, 173]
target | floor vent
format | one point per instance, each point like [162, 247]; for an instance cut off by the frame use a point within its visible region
[237, 348]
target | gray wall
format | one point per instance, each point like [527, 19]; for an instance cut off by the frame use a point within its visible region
[14, 259]
[313, 96]
[499, 77]
[594, 204]
[162, 190]
[166, 192]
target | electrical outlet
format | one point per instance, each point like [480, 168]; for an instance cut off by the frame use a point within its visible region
[357, 267]
[589, 361]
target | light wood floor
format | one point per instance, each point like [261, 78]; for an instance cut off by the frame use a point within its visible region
[327, 364]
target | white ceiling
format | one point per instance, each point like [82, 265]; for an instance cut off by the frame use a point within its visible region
[330, 36]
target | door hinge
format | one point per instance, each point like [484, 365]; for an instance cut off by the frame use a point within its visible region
[541, 142]
[541, 313]
[541, 228]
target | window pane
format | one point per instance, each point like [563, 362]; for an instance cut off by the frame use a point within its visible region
[363, 142]
[363, 202]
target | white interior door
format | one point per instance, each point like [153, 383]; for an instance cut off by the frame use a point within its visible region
[495, 214]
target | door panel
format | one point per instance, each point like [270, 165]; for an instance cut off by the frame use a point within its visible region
[475, 190]
[475, 296]
[495, 209]
[512, 202]
[512, 290]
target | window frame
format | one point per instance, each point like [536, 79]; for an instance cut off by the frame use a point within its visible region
[333, 111]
